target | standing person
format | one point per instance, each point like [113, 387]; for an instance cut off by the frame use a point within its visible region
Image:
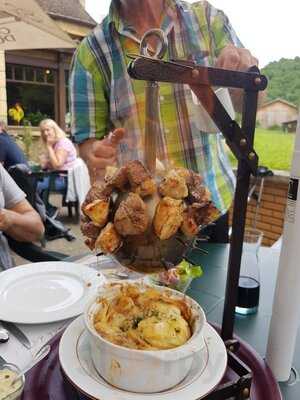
[10, 153]
[60, 154]
[17, 218]
[103, 97]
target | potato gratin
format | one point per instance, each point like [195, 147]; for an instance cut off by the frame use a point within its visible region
[143, 320]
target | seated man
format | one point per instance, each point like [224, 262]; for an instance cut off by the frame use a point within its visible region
[10, 152]
[17, 218]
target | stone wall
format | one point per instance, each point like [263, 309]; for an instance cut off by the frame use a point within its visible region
[270, 216]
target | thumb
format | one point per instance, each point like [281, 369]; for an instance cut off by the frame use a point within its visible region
[115, 136]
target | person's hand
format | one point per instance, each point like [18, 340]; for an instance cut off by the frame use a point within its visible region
[236, 59]
[5, 220]
[99, 154]
[50, 141]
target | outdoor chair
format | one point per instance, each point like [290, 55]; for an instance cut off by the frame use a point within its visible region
[77, 185]
[27, 181]
[52, 190]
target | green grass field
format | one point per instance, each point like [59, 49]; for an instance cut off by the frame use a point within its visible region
[274, 148]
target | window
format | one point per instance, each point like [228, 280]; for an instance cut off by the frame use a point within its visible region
[33, 89]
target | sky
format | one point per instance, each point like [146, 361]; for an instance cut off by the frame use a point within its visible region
[268, 28]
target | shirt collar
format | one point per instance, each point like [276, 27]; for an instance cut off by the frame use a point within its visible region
[115, 20]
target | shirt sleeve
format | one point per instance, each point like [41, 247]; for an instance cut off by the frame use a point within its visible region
[64, 144]
[221, 30]
[215, 28]
[87, 95]
[11, 192]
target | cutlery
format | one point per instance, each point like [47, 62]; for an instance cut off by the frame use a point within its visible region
[39, 355]
[18, 334]
[2, 361]
[4, 335]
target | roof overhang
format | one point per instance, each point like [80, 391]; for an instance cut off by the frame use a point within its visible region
[24, 25]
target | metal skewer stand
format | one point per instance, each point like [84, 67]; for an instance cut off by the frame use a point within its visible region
[240, 141]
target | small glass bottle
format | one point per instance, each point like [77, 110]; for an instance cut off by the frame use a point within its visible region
[249, 280]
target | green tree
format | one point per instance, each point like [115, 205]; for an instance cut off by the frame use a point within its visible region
[284, 79]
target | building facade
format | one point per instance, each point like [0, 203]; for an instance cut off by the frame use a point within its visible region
[276, 112]
[37, 80]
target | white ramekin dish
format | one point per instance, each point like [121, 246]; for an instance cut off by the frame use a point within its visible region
[143, 371]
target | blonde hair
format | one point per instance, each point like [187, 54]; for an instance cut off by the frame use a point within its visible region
[49, 123]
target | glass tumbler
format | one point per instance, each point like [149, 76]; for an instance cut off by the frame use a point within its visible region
[249, 280]
[8, 372]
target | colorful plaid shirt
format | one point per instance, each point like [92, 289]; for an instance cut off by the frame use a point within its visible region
[103, 96]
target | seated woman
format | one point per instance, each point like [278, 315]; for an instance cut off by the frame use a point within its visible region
[17, 218]
[61, 155]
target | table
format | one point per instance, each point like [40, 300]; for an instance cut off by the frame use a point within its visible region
[209, 291]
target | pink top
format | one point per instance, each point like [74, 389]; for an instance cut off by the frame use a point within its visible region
[69, 147]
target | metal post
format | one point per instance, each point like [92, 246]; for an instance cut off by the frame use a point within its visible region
[239, 217]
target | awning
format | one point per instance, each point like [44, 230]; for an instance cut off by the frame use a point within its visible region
[24, 25]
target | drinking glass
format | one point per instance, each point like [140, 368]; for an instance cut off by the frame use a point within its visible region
[15, 392]
[249, 280]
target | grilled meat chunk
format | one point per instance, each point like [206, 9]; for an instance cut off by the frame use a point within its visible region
[168, 217]
[97, 211]
[140, 180]
[173, 185]
[196, 216]
[189, 224]
[90, 243]
[131, 217]
[109, 240]
[98, 192]
[118, 178]
[207, 214]
[90, 230]
[110, 172]
[190, 177]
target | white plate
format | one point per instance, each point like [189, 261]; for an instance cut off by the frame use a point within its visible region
[46, 291]
[75, 359]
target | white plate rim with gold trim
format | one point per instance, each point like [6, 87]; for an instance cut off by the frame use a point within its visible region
[76, 363]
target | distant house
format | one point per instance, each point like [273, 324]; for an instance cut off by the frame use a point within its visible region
[276, 112]
[38, 79]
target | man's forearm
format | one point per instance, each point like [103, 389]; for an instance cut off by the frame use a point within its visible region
[25, 227]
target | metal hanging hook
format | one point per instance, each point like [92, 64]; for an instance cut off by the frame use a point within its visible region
[162, 47]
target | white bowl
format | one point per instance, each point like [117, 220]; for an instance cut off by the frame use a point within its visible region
[143, 371]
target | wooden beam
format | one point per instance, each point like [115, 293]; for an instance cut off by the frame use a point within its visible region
[33, 62]
[61, 91]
